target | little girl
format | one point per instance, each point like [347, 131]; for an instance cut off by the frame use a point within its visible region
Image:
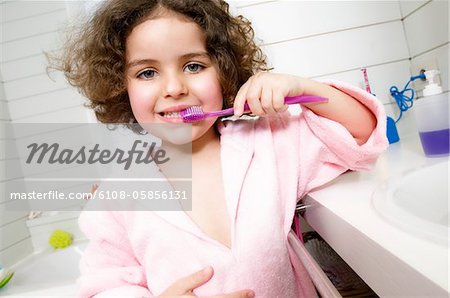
[143, 61]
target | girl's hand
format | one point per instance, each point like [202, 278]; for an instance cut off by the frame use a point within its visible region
[185, 286]
[265, 92]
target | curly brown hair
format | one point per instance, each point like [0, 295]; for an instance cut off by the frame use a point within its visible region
[93, 59]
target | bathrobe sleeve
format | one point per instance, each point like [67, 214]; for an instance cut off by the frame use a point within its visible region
[327, 149]
[108, 266]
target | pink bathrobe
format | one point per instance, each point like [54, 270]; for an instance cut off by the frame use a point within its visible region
[267, 166]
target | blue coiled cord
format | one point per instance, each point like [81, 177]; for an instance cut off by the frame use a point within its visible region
[403, 101]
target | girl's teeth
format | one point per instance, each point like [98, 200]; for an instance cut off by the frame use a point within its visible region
[172, 114]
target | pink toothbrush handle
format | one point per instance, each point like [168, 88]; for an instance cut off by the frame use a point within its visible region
[304, 99]
[287, 100]
[296, 99]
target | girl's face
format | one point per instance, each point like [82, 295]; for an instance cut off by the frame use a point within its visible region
[168, 69]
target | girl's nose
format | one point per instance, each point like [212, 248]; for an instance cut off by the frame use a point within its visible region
[175, 86]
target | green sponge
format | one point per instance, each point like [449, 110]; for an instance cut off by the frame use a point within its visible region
[60, 239]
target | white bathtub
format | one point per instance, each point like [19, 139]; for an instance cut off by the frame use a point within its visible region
[54, 273]
[46, 274]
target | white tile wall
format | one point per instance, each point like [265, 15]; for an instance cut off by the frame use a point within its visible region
[39, 104]
[15, 232]
[381, 77]
[28, 28]
[340, 51]
[428, 38]
[15, 241]
[244, 3]
[39, 84]
[334, 39]
[75, 114]
[25, 67]
[14, 10]
[284, 20]
[31, 46]
[427, 27]
[4, 115]
[14, 253]
[437, 57]
[408, 6]
[33, 26]
[427, 32]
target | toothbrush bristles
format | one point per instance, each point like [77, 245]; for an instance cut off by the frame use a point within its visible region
[192, 114]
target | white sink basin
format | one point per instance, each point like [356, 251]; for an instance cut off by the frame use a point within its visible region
[418, 201]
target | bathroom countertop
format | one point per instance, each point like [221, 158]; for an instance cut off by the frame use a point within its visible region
[392, 259]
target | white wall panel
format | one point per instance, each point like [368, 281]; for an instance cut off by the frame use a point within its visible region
[31, 46]
[26, 67]
[340, 51]
[78, 114]
[381, 78]
[408, 6]
[14, 253]
[428, 27]
[14, 10]
[438, 57]
[8, 147]
[2, 198]
[4, 114]
[9, 170]
[244, 3]
[13, 233]
[34, 85]
[44, 103]
[8, 215]
[284, 20]
[27, 27]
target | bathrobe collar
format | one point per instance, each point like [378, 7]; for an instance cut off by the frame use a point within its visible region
[237, 141]
[237, 148]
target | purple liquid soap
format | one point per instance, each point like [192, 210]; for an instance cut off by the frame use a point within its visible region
[435, 142]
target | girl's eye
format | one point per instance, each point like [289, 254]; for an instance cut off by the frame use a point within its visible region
[147, 74]
[194, 67]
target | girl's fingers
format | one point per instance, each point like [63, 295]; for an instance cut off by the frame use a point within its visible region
[264, 93]
[267, 101]
[253, 97]
[278, 102]
[187, 284]
[240, 98]
[255, 106]
[238, 294]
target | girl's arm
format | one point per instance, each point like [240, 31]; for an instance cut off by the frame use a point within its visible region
[342, 108]
[265, 93]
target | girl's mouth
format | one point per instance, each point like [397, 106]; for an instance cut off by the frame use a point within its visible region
[171, 115]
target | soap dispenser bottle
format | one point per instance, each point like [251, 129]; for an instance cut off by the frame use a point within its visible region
[432, 117]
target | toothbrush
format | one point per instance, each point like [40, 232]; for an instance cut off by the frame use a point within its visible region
[195, 113]
[366, 80]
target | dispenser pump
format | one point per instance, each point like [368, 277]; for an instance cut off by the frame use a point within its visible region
[432, 87]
